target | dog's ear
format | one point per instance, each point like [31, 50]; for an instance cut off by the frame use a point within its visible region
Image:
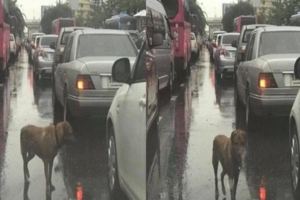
[233, 134]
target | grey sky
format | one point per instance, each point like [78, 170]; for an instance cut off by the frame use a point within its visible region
[213, 8]
[32, 8]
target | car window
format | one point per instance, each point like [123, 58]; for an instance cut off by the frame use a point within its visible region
[46, 41]
[90, 45]
[64, 38]
[279, 42]
[67, 52]
[247, 35]
[139, 74]
[228, 39]
[249, 51]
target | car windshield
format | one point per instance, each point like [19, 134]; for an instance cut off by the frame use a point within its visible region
[46, 41]
[228, 39]
[280, 42]
[105, 45]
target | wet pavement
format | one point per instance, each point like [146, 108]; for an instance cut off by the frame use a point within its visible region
[80, 167]
[199, 111]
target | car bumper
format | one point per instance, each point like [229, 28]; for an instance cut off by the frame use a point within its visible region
[44, 67]
[225, 65]
[276, 105]
[86, 106]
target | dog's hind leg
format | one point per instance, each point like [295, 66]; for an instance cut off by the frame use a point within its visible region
[232, 185]
[235, 182]
[215, 163]
[222, 181]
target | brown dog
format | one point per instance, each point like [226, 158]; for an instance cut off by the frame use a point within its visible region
[230, 152]
[45, 143]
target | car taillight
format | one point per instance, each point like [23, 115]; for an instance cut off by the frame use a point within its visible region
[84, 82]
[266, 80]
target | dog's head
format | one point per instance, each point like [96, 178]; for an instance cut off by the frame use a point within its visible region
[65, 132]
[238, 142]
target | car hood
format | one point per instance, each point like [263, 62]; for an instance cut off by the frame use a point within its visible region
[280, 62]
[96, 65]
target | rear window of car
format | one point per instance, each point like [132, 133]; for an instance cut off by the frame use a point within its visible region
[279, 42]
[90, 45]
[46, 41]
[228, 39]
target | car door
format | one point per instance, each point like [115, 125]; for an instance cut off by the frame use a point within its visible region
[243, 69]
[60, 71]
[131, 107]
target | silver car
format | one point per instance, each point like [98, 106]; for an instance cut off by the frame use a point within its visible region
[265, 79]
[82, 82]
[225, 54]
[44, 56]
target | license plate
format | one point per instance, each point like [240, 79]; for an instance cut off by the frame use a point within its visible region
[107, 82]
[288, 79]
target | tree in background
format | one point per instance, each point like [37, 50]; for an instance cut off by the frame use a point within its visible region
[60, 10]
[198, 17]
[282, 11]
[242, 8]
[15, 18]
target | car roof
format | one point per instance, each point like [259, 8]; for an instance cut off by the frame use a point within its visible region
[48, 35]
[254, 26]
[72, 28]
[278, 28]
[232, 33]
[156, 5]
[101, 31]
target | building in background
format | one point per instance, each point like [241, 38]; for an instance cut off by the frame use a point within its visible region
[43, 9]
[225, 7]
[83, 7]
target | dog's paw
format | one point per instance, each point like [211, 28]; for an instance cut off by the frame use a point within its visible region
[52, 188]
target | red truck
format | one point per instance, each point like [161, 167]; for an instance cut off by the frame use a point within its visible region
[4, 43]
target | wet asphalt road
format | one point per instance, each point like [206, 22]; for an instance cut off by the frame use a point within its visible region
[199, 111]
[22, 102]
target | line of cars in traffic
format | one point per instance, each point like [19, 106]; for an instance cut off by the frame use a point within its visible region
[265, 63]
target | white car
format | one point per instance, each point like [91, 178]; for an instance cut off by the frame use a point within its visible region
[12, 46]
[126, 130]
[194, 45]
[294, 136]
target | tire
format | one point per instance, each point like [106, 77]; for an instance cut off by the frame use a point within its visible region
[112, 166]
[295, 162]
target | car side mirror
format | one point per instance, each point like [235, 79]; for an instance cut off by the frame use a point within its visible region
[297, 68]
[121, 70]
[234, 43]
[53, 45]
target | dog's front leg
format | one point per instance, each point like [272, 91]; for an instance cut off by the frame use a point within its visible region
[50, 175]
[46, 170]
[236, 179]
[222, 181]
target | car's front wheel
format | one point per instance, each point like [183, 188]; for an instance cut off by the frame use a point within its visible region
[113, 179]
[295, 162]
